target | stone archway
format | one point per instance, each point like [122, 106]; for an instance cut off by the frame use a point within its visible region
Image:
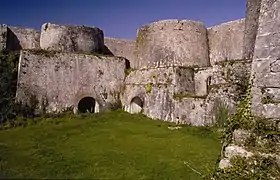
[87, 105]
[136, 105]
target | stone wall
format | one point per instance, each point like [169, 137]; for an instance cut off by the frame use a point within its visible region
[23, 38]
[15, 39]
[266, 63]
[226, 41]
[60, 80]
[251, 28]
[120, 47]
[171, 43]
[261, 43]
[71, 38]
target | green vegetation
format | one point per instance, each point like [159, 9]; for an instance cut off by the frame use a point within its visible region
[141, 35]
[128, 71]
[221, 115]
[255, 167]
[269, 100]
[149, 87]
[113, 145]
[9, 110]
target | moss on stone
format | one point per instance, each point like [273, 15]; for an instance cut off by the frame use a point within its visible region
[148, 88]
[42, 52]
[269, 100]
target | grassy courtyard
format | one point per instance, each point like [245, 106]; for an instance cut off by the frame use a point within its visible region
[114, 145]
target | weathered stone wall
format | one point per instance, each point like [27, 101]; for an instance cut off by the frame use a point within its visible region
[61, 80]
[226, 41]
[3, 37]
[251, 27]
[266, 63]
[71, 38]
[171, 43]
[187, 95]
[120, 47]
[23, 38]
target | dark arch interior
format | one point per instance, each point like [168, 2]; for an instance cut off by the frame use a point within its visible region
[86, 105]
[127, 64]
[137, 101]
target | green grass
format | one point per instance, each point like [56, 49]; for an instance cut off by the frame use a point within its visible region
[114, 145]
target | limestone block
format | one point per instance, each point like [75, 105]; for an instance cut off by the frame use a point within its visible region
[226, 41]
[3, 37]
[152, 76]
[184, 81]
[159, 104]
[269, 40]
[191, 111]
[23, 38]
[71, 38]
[269, 10]
[272, 93]
[224, 163]
[218, 75]
[240, 136]
[266, 52]
[180, 79]
[233, 150]
[251, 27]
[62, 79]
[268, 27]
[121, 47]
[171, 43]
[268, 79]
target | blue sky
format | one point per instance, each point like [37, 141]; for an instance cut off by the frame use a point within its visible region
[117, 18]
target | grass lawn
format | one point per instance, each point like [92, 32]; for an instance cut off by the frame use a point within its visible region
[114, 145]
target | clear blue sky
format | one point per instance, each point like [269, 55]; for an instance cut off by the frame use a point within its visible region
[117, 18]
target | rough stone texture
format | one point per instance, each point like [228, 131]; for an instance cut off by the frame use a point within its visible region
[152, 76]
[167, 94]
[23, 38]
[71, 38]
[191, 111]
[240, 136]
[224, 163]
[3, 37]
[251, 27]
[60, 80]
[232, 151]
[121, 47]
[266, 64]
[226, 41]
[171, 43]
[180, 79]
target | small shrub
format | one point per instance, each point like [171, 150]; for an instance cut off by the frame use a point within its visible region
[221, 115]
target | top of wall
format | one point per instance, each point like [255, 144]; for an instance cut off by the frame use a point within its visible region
[120, 47]
[71, 38]
[171, 43]
[226, 41]
[23, 38]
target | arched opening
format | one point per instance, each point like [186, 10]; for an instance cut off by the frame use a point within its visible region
[86, 105]
[127, 64]
[136, 105]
